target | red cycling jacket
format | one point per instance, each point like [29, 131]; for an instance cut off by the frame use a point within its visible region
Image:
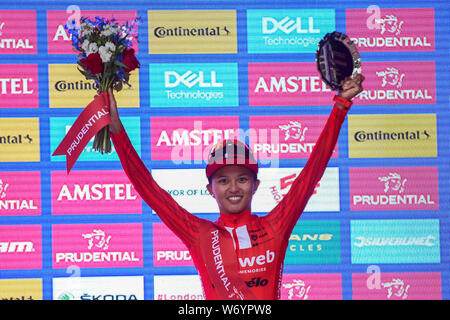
[239, 256]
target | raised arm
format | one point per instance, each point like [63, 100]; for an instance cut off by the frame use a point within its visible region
[285, 215]
[184, 224]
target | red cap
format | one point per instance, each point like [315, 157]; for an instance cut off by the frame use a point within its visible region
[230, 153]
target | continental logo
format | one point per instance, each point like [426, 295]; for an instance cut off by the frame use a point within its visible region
[68, 88]
[19, 140]
[192, 31]
[20, 289]
[363, 136]
[392, 136]
[214, 31]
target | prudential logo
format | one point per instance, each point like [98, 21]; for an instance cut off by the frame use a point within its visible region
[193, 85]
[279, 31]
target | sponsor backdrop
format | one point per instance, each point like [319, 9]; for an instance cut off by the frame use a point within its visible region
[377, 226]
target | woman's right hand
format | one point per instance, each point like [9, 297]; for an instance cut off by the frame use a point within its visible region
[116, 125]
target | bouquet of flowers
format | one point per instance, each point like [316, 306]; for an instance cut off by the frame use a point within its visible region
[106, 57]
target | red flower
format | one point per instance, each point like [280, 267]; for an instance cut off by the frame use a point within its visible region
[93, 63]
[129, 59]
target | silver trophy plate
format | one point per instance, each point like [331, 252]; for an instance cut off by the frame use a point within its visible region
[337, 58]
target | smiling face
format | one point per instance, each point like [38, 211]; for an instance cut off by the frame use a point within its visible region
[233, 188]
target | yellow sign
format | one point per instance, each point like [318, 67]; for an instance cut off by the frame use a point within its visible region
[392, 136]
[70, 89]
[19, 139]
[20, 289]
[192, 31]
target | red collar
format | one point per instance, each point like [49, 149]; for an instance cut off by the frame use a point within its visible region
[235, 219]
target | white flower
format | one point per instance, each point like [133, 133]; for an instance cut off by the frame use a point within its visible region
[105, 54]
[106, 31]
[106, 51]
[86, 25]
[93, 48]
[110, 46]
[89, 47]
[115, 28]
[85, 33]
[86, 29]
[109, 30]
[85, 45]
